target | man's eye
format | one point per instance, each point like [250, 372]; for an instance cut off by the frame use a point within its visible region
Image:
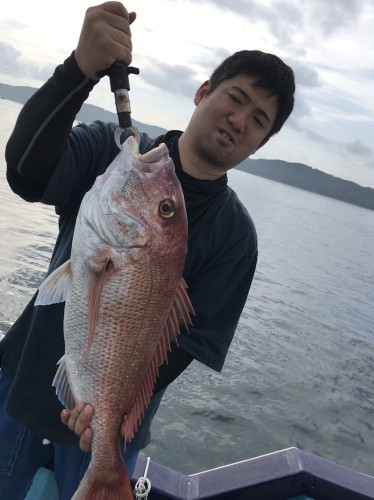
[234, 98]
[259, 122]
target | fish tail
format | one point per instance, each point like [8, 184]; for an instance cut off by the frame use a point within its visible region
[97, 486]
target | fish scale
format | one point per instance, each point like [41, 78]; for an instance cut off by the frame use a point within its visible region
[125, 299]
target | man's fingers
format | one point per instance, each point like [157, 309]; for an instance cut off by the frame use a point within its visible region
[72, 416]
[105, 38]
[114, 7]
[65, 414]
[83, 420]
[86, 440]
[132, 17]
[78, 420]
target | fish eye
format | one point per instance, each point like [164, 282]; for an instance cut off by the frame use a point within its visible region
[166, 209]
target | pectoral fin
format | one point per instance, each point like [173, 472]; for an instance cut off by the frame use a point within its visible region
[97, 272]
[54, 288]
[62, 385]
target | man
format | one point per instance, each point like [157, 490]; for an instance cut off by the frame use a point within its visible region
[246, 101]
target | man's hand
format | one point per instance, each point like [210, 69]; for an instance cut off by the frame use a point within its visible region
[78, 420]
[105, 38]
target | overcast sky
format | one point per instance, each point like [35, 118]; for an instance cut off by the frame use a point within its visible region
[177, 44]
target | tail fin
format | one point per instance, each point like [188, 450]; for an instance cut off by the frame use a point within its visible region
[95, 485]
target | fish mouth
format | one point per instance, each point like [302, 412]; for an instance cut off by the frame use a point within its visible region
[164, 167]
[154, 159]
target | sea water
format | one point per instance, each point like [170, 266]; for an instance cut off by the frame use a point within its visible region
[300, 369]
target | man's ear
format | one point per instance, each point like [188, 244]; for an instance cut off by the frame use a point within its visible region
[202, 91]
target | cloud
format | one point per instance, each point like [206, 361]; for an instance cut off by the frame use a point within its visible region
[13, 64]
[319, 138]
[281, 19]
[305, 75]
[286, 19]
[357, 148]
[331, 16]
[11, 24]
[9, 59]
[302, 107]
[176, 78]
[209, 58]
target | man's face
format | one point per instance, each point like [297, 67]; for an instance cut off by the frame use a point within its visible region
[231, 123]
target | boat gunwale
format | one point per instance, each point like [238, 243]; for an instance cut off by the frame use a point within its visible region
[281, 475]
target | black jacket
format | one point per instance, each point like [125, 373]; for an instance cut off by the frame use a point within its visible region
[220, 264]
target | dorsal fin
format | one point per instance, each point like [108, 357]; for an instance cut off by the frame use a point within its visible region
[180, 311]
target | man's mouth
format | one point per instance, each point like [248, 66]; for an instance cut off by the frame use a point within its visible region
[228, 139]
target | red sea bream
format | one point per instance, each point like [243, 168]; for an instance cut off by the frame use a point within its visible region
[124, 300]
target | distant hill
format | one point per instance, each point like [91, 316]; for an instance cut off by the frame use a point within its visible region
[293, 174]
[311, 179]
[88, 113]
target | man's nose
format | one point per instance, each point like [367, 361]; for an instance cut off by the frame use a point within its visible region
[238, 120]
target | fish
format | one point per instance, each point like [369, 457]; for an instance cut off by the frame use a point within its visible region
[125, 300]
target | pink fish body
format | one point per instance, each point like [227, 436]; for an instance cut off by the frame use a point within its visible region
[125, 298]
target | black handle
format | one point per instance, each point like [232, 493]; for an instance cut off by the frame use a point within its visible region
[119, 84]
[119, 75]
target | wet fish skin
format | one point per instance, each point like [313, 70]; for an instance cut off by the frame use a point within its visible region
[125, 297]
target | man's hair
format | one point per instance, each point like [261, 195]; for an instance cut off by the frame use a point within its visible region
[271, 72]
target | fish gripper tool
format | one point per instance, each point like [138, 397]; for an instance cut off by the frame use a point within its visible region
[119, 84]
